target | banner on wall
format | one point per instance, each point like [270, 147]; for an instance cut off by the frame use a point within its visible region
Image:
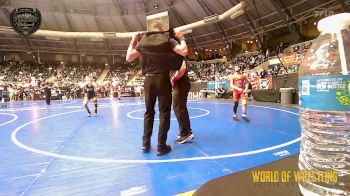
[266, 83]
[261, 84]
[255, 82]
[215, 85]
[293, 69]
[289, 59]
[299, 58]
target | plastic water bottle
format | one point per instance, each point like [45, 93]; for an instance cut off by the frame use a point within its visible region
[324, 85]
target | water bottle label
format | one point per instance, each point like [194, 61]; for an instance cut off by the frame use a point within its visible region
[329, 93]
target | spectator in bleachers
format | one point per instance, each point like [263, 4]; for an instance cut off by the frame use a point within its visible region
[221, 93]
[263, 73]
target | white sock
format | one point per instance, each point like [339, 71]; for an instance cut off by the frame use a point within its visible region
[244, 115]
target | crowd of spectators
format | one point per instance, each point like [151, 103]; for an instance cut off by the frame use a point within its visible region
[26, 74]
[301, 48]
[25, 80]
[216, 71]
[76, 73]
[122, 72]
[249, 60]
[204, 72]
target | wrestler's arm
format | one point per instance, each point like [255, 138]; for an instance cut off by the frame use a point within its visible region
[84, 90]
[133, 53]
[181, 49]
[179, 73]
[96, 86]
[246, 84]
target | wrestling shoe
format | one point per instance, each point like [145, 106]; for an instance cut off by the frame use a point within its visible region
[245, 118]
[180, 136]
[89, 115]
[182, 140]
[235, 118]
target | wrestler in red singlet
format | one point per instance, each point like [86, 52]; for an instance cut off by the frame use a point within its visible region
[239, 82]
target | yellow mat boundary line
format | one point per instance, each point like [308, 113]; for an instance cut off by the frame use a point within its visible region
[190, 193]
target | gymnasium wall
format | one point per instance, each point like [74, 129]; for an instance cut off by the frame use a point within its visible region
[271, 95]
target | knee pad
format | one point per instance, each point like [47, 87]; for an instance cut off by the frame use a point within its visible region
[95, 102]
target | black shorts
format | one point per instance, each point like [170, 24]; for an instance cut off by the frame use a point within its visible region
[89, 97]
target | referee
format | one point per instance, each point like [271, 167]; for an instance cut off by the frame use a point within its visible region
[47, 92]
[156, 51]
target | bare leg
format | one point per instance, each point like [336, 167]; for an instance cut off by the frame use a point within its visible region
[86, 102]
[244, 109]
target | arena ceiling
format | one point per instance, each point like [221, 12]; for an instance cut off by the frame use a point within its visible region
[261, 16]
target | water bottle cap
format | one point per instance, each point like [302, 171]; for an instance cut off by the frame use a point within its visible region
[334, 23]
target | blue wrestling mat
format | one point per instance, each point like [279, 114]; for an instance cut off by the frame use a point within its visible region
[57, 150]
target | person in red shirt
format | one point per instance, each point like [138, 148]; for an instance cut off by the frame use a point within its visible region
[240, 84]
